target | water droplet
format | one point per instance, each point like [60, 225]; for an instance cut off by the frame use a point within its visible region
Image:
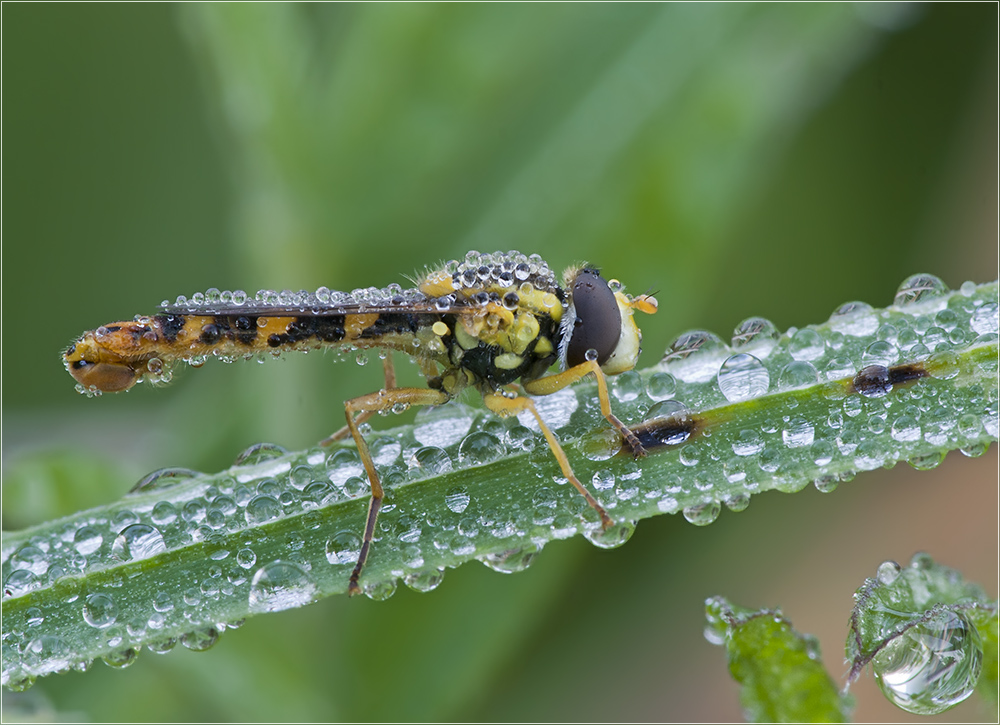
[555, 409]
[122, 658]
[755, 335]
[627, 386]
[857, 319]
[797, 374]
[661, 386]
[424, 581]
[280, 585]
[380, 591]
[826, 484]
[163, 478]
[919, 288]
[201, 639]
[880, 352]
[703, 514]
[873, 381]
[931, 666]
[20, 581]
[457, 499]
[433, 461]
[742, 377]
[442, 425]
[985, 319]
[162, 646]
[385, 451]
[259, 453]
[343, 548]
[748, 442]
[806, 344]
[261, 509]
[480, 448]
[694, 357]
[87, 540]
[928, 461]
[20, 684]
[100, 610]
[737, 502]
[887, 572]
[138, 541]
[614, 537]
[905, 429]
[512, 560]
[798, 432]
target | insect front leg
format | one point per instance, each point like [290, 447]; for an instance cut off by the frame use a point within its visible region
[553, 383]
[505, 406]
[390, 383]
[382, 401]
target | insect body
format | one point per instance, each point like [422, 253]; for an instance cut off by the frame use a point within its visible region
[486, 323]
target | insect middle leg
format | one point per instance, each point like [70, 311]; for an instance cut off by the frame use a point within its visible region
[390, 383]
[504, 406]
[364, 406]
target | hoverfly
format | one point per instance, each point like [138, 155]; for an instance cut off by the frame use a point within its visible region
[486, 323]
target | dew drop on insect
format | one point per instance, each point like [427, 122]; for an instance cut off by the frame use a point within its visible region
[703, 514]
[100, 611]
[919, 288]
[932, 665]
[755, 335]
[618, 534]
[201, 639]
[138, 541]
[280, 585]
[742, 377]
[424, 581]
[457, 499]
[512, 560]
[343, 548]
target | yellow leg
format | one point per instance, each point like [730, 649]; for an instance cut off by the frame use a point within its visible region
[383, 400]
[504, 406]
[553, 383]
[390, 383]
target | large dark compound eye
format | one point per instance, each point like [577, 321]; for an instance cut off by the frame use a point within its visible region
[598, 322]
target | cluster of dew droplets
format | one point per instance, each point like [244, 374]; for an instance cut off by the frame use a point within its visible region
[861, 431]
[933, 663]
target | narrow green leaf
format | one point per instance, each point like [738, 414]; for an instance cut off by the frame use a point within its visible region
[782, 676]
[929, 635]
[190, 554]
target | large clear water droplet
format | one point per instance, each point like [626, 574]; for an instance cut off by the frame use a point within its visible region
[512, 560]
[857, 319]
[100, 611]
[280, 585]
[931, 666]
[755, 335]
[742, 377]
[614, 537]
[694, 357]
[919, 288]
[138, 541]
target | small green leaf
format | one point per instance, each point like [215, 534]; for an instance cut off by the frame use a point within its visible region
[782, 676]
[927, 634]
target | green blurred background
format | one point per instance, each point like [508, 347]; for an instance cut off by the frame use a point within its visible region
[739, 160]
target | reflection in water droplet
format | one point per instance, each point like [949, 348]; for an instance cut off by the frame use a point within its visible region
[343, 548]
[457, 499]
[259, 453]
[694, 357]
[137, 541]
[857, 319]
[919, 288]
[100, 611]
[261, 509]
[614, 537]
[931, 666]
[380, 591]
[424, 581]
[434, 461]
[703, 514]
[480, 448]
[742, 377]
[512, 560]
[755, 335]
[280, 585]
[87, 540]
[797, 374]
[887, 572]
[122, 658]
[661, 386]
[806, 344]
[201, 639]
[797, 433]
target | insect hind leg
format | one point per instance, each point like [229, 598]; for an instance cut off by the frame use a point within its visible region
[364, 406]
